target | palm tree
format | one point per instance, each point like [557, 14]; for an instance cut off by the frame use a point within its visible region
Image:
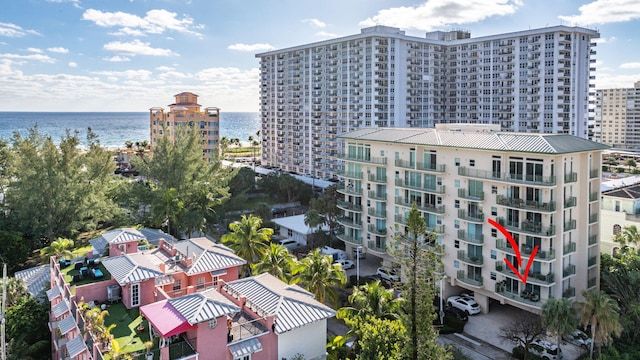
[601, 313]
[629, 235]
[630, 163]
[168, 208]
[58, 248]
[319, 276]
[16, 289]
[248, 239]
[223, 145]
[277, 261]
[313, 219]
[559, 317]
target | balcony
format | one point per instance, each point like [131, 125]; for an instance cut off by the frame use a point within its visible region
[350, 239]
[477, 239]
[527, 227]
[525, 251]
[525, 204]
[570, 177]
[349, 190]
[400, 219]
[438, 189]
[475, 216]
[570, 202]
[345, 205]
[349, 222]
[473, 281]
[377, 196]
[533, 278]
[377, 231]
[569, 248]
[430, 208]
[473, 260]
[502, 291]
[379, 213]
[506, 177]
[593, 239]
[593, 218]
[465, 194]
[591, 282]
[569, 292]
[594, 173]
[405, 164]
[594, 196]
[569, 270]
[377, 179]
[440, 168]
[377, 246]
[350, 174]
[570, 225]
[363, 159]
[593, 261]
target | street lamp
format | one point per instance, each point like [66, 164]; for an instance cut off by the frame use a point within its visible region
[358, 252]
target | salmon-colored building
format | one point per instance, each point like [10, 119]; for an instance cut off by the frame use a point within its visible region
[186, 111]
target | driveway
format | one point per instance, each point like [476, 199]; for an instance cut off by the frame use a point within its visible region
[486, 327]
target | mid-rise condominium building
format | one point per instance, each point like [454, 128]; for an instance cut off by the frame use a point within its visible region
[186, 111]
[526, 81]
[617, 117]
[544, 189]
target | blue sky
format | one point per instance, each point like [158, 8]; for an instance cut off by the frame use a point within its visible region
[117, 55]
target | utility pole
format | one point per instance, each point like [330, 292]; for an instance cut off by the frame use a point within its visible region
[4, 306]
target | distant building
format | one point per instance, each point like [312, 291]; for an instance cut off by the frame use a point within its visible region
[544, 189]
[620, 208]
[186, 111]
[617, 117]
[534, 80]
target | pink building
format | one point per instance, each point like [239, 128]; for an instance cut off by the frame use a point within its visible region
[255, 318]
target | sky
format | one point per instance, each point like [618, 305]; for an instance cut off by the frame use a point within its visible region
[131, 55]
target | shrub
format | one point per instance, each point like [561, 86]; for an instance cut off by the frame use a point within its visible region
[518, 353]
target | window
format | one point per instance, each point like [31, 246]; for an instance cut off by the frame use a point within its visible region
[456, 224]
[457, 161]
[494, 232]
[457, 183]
[177, 285]
[494, 189]
[457, 204]
[456, 264]
[472, 163]
[212, 323]
[214, 282]
[616, 229]
[135, 294]
[493, 275]
[456, 244]
[494, 211]
[200, 283]
[494, 254]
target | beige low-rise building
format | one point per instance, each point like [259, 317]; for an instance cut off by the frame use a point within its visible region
[544, 189]
[620, 208]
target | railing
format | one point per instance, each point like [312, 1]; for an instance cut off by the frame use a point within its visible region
[438, 189]
[527, 205]
[349, 206]
[378, 179]
[570, 177]
[500, 289]
[350, 239]
[378, 196]
[593, 218]
[380, 247]
[476, 216]
[430, 167]
[525, 251]
[593, 260]
[377, 213]
[593, 239]
[350, 174]
[430, 208]
[181, 350]
[365, 159]
[569, 292]
[594, 173]
[473, 281]
[463, 193]
[405, 163]
[591, 282]
[569, 270]
[533, 278]
[375, 230]
[594, 196]
[512, 178]
[349, 190]
[349, 222]
[570, 225]
[400, 219]
[527, 227]
[569, 248]
[473, 260]
[475, 239]
[570, 201]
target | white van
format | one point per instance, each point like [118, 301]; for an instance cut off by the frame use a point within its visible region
[336, 254]
[290, 244]
[546, 350]
[359, 255]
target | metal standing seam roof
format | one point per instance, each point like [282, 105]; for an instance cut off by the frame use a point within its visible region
[76, 346]
[54, 292]
[36, 279]
[499, 141]
[245, 348]
[292, 306]
[629, 192]
[203, 306]
[208, 258]
[123, 235]
[126, 271]
[60, 308]
[67, 324]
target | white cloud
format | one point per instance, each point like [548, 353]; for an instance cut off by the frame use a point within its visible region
[250, 47]
[58, 49]
[34, 50]
[13, 30]
[36, 57]
[155, 22]
[631, 65]
[604, 12]
[440, 13]
[136, 47]
[127, 74]
[326, 35]
[315, 22]
[76, 3]
[164, 68]
[72, 64]
[116, 59]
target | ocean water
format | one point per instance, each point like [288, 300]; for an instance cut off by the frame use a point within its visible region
[113, 128]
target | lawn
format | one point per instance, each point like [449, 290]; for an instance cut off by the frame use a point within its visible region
[69, 271]
[126, 332]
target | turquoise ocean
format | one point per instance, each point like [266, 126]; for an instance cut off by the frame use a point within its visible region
[113, 128]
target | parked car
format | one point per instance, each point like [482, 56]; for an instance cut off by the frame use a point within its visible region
[375, 277]
[464, 303]
[546, 350]
[346, 264]
[456, 313]
[290, 244]
[578, 338]
[387, 273]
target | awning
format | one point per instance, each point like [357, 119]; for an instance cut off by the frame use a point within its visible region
[219, 272]
[60, 308]
[246, 347]
[54, 292]
[76, 346]
[67, 324]
[166, 319]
